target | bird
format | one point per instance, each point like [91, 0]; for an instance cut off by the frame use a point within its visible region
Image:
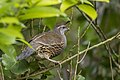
[47, 44]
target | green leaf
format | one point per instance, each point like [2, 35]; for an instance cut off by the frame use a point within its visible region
[11, 31]
[33, 66]
[46, 2]
[9, 20]
[90, 11]
[67, 4]
[8, 75]
[22, 40]
[20, 67]
[7, 61]
[50, 22]
[41, 12]
[102, 0]
[4, 8]
[79, 77]
[6, 39]
[9, 58]
[9, 50]
[16, 27]
[88, 2]
[8, 35]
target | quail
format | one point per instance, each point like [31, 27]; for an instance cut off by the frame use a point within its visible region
[46, 45]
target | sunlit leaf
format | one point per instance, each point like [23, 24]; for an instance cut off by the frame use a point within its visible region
[16, 27]
[41, 12]
[46, 2]
[4, 8]
[90, 11]
[6, 39]
[11, 32]
[67, 4]
[9, 20]
[8, 35]
[88, 2]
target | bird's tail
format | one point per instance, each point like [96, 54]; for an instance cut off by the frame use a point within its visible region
[25, 53]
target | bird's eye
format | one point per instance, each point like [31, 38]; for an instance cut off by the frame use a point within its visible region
[64, 27]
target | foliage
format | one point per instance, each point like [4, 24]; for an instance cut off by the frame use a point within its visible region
[19, 15]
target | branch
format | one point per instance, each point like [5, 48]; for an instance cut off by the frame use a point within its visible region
[97, 45]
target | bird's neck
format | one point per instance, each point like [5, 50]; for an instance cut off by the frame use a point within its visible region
[62, 36]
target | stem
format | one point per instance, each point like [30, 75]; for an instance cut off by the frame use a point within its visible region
[1, 74]
[78, 53]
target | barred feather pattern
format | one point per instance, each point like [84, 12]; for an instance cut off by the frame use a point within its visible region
[49, 51]
[25, 53]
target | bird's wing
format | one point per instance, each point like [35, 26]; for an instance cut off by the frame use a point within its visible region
[48, 38]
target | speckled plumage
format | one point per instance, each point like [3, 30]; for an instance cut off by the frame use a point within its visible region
[47, 44]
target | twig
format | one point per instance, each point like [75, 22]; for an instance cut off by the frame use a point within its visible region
[2, 74]
[97, 45]
[44, 28]
[71, 70]
[32, 29]
[111, 67]
[59, 75]
[85, 53]
[76, 66]
[102, 37]
[85, 31]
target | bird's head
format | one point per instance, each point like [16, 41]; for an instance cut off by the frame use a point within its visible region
[61, 29]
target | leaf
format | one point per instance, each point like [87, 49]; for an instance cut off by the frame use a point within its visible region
[22, 40]
[4, 8]
[50, 22]
[11, 31]
[7, 61]
[20, 67]
[16, 27]
[9, 20]
[67, 4]
[9, 58]
[90, 11]
[33, 66]
[8, 75]
[102, 0]
[88, 2]
[79, 77]
[8, 35]
[41, 12]
[46, 2]
[9, 50]
[5, 39]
